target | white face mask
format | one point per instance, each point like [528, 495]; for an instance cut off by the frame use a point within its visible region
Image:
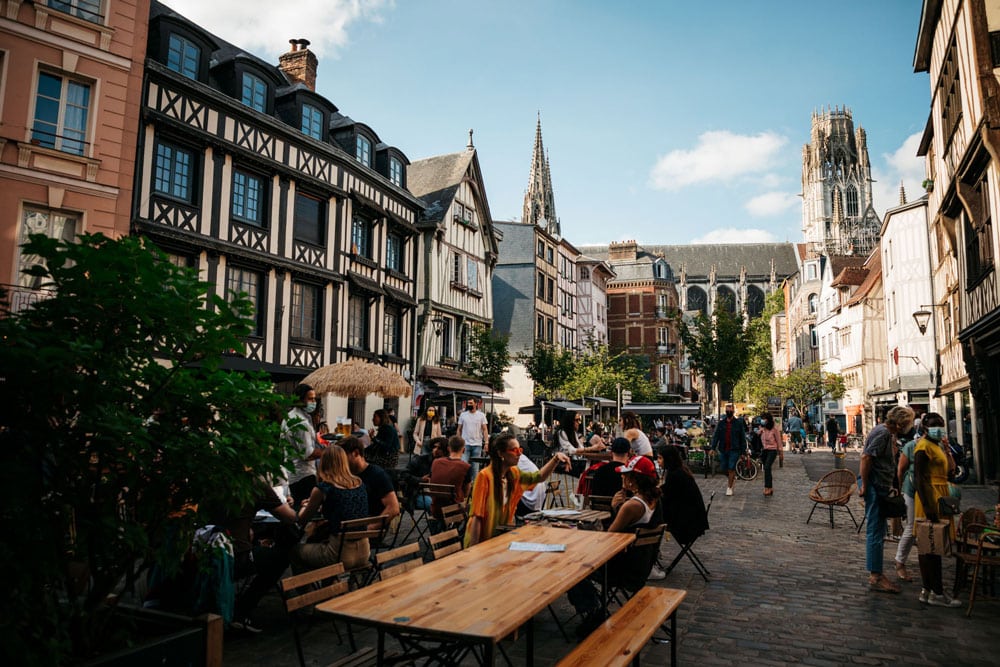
[310, 407]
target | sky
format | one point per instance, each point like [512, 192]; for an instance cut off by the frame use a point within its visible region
[667, 122]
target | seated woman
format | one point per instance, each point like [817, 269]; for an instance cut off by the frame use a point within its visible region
[499, 487]
[636, 506]
[418, 469]
[683, 506]
[340, 496]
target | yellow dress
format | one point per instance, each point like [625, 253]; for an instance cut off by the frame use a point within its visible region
[938, 468]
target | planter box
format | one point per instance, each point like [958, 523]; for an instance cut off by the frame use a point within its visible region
[166, 639]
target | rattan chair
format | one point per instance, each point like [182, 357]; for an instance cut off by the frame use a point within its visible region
[834, 490]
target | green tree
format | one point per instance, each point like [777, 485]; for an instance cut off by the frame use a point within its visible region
[489, 358]
[809, 385]
[717, 346]
[119, 431]
[549, 367]
[758, 380]
[598, 372]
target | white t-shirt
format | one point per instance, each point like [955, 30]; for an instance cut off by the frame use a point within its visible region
[534, 497]
[472, 424]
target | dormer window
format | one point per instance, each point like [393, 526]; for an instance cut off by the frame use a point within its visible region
[183, 56]
[312, 122]
[363, 151]
[396, 171]
[254, 92]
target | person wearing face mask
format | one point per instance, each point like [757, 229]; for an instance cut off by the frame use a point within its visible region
[729, 441]
[904, 473]
[297, 430]
[428, 427]
[930, 478]
[770, 440]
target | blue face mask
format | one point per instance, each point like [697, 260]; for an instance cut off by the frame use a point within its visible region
[935, 433]
[310, 407]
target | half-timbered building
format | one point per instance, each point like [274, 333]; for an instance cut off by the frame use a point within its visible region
[458, 252]
[248, 174]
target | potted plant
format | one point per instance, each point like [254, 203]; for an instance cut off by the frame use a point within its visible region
[119, 429]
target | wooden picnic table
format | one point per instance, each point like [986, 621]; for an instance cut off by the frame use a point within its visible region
[474, 598]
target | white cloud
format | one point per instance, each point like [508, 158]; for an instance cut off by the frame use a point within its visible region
[901, 165]
[771, 203]
[719, 155]
[263, 27]
[735, 235]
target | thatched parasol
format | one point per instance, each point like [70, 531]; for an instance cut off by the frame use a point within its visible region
[356, 379]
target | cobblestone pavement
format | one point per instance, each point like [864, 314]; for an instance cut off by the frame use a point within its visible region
[781, 593]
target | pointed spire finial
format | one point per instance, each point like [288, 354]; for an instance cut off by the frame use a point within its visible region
[470, 146]
[902, 193]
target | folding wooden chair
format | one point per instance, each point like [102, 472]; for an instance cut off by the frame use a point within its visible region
[553, 497]
[650, 537]
[371, 528]
[397, 561]
[687, 550]
[453, 516]
[599, 503]
[308, 589]
[445, 543]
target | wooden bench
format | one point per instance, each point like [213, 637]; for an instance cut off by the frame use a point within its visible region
[620, 639]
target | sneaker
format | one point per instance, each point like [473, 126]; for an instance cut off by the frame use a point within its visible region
[923, 596]
[943, 600]
[245, 625]
[656, 574]
[729, 490]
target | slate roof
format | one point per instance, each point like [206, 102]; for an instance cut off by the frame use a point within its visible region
[436, 179]
[727, 257]
[517, 246]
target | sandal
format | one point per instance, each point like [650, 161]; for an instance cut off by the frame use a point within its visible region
[901, 573]
[882, 585]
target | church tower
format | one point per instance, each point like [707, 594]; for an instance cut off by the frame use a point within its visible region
[837, 213]
[539, 202]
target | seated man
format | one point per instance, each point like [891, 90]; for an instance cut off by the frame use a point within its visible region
[533, 499]
[381, 494]
[453, 471]
[607, 480]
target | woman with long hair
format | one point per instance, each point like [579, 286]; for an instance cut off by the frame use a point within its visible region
[428, 427]
[499, 487]
[340, 496]
[632, 429]
[683, 506]
[570, 440]
[770, 440]
[930, 476]
[384, 448]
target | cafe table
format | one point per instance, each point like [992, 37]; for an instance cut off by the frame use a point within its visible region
[472, 599]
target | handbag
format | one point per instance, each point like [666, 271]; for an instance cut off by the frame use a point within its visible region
[949, 506]
[892, 505]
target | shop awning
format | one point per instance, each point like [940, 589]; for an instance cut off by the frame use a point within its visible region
[666, 409]
[445, 379]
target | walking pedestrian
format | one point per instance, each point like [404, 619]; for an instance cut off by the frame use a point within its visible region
[878, 466]
[793, 427]
[904, 472]
[729, 440]
[832, 432]
[770, 438]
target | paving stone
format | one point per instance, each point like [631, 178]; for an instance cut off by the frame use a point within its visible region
[782, 592]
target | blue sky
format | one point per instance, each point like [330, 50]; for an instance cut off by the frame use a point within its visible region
[666, 122]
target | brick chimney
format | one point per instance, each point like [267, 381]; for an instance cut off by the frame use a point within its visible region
[300, 63]
[624, 251]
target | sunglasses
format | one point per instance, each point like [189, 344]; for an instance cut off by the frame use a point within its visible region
[516, 449]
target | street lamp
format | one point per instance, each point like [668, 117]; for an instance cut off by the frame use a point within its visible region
[438, 324]
[922, 317]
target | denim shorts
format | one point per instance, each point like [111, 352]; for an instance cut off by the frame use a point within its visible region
[727, 460]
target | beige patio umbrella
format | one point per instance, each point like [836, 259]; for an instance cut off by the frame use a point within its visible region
[356, 379]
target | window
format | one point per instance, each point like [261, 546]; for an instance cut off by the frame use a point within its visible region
[248, 283]
[584, 274]
[456, 268]
[357, 322]
[446, 341]
[248, 198]
[55, 225]
[811, 271]
[472, 274]
[664, 374]
[465, 344]
[174, 175]
[391, 331]
[950, 92]
[61, 109]
[88, 10]
[813, 304]
[394, 252]
[361, 237]
[363, 151]
[550, 290]
[183, 56]
[541, 249]
[396, 171]
[978, 232]
[540, 331]
[254, 92]
[306, 301]
[813, 338]
[548, 255]
[852, 201]
[309, 219]
[312, 122]
[549, 330]
[541, 285]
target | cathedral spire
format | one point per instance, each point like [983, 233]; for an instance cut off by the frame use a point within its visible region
[902, 193]
[539, 202]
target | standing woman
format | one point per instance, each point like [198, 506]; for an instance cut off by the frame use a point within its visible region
[384, 448]
[499, 487]
[770, 439]
[904, 472]
[930, 477]
[297, 429]
[632, 429]
[340, 496]
[428, 427]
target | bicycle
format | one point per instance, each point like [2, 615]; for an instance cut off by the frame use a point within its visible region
[747, 466]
